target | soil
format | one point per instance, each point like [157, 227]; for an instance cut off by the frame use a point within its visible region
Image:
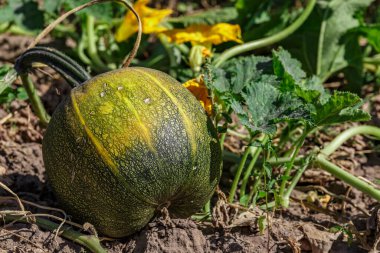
[305, 226]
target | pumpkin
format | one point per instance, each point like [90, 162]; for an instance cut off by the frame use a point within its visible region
[126, 144]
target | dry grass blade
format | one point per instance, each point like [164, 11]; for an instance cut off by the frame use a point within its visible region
[46, 208]
[14, 195]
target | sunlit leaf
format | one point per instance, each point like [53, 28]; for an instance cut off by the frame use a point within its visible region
[340, 107]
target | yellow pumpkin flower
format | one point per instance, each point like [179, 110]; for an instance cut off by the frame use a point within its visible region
[198, 88]
[205, 34]
[150, 19]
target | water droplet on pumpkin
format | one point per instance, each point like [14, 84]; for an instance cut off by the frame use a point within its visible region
[147, 101]
[102, 94]
[120, 88]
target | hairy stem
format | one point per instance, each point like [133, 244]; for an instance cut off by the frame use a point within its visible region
[289, 166]
[255, 155]
[349, 133]
[238, 174]
[294, 182]
[347, 177]
[231, 157]
[249, 46]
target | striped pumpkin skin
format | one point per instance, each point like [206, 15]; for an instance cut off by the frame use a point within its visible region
[126, 143]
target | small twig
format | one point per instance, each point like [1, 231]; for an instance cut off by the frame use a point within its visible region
[344, 202]
[14, 195]
[47, 208]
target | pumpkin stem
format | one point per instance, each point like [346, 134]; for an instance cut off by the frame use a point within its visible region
[71, 71]
[50, 27]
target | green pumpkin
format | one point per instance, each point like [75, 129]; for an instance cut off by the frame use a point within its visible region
[127, 143]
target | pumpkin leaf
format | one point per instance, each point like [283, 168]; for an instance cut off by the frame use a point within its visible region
[261, 19]
[263, 92]
[6, 14]
[340, 107]
[24, 14]
[7, 94]
[293, 78]
[287, 69]
[267, 105]
[102, 11]
[322, 43]
[253, 93]
[7, 76]
[244, 70]
[51, 6]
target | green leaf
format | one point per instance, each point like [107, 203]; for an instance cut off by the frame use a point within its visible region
[292, 77]
[268, 106]
[52, 6]
[312, 90]
[244, 70]
[6, 14]
[26, 14]
[263, 93]
[9, 94]
[340, 107]
[253, 92]
[209, 17]
[215, 79]
[261, 19]
[101, 11]
[263, 223]
[322, 43]
[288, 69]
[7, 76]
